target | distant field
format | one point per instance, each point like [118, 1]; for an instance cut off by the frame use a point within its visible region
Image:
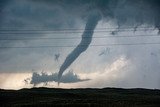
[107, 97]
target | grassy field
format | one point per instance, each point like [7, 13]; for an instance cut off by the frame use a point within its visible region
[107, 97]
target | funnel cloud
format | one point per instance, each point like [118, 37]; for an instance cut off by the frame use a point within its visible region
[83, 45]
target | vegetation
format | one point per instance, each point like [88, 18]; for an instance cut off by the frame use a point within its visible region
[107, 97]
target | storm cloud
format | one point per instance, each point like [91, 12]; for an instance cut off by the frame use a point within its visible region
[27, 20]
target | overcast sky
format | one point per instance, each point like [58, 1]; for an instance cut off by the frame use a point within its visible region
[37, 36]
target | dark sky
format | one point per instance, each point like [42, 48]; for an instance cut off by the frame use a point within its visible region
[32, 32]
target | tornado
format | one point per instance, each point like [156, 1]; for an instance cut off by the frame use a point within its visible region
[91, 23]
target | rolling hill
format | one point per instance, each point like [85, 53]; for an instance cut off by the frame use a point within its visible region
[106, 97]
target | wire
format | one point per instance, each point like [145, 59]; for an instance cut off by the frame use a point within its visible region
[64, 32]
[121, 44]
[62, 29]
[100, 37]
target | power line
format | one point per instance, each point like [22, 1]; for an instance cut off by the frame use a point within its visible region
[52, 38]
[101, 45]
[75, 29]
[32, 28]
[64, 32]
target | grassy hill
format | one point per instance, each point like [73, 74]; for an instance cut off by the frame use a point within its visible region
[106, 97]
